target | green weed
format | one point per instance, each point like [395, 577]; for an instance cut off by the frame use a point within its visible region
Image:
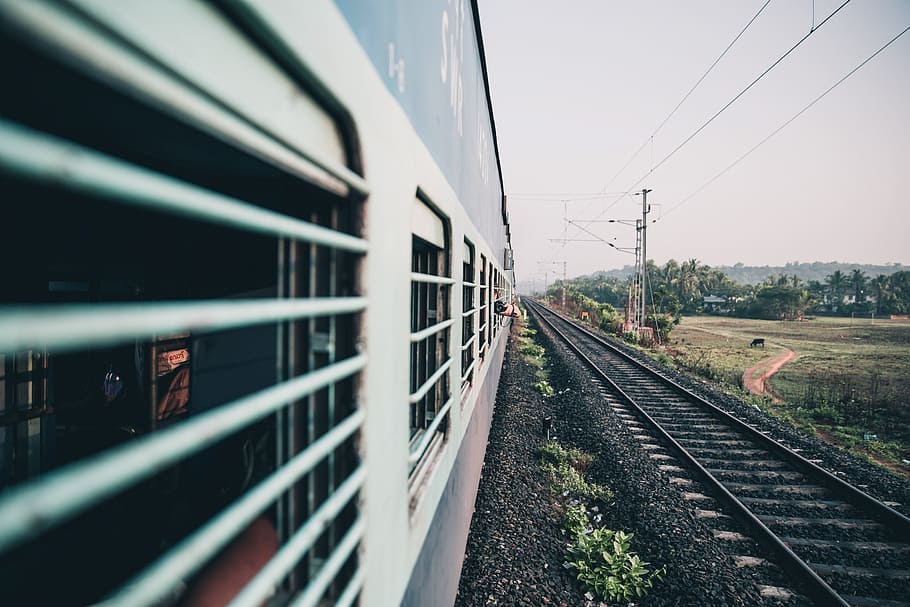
[606, 566]
[576, 519]
[544, 387]
[565, 471]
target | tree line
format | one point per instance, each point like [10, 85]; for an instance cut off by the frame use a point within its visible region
[678, 288]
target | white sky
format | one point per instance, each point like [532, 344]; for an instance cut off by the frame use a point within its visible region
[578, 86]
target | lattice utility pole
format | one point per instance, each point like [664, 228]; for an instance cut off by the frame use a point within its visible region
[642, 276]
[563, 285]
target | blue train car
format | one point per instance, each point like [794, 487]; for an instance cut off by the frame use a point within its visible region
[248, 346]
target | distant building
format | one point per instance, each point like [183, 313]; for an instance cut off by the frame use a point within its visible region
[851, 299]
[715, 303]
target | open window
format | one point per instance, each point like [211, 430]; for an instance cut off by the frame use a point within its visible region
[431, 323]
[483, 318]
[169, 278]
[468, 312]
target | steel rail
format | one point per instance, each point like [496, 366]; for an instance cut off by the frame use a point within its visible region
[857, 497]
[806, 577]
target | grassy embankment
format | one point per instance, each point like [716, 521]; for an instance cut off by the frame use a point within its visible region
[850, 382]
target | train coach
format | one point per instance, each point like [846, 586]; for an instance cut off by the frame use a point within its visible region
[248, 342]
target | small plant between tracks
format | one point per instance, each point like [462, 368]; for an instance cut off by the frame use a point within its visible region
[604, 564]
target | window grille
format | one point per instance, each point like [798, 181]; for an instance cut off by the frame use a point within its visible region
[177, 356]
[431, 322]
[497, 295]
[484, 307]
[469, 311]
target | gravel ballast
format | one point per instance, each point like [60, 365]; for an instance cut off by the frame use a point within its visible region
[516, 547]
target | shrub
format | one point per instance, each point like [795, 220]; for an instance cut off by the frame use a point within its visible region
[565, 469]
[544, 387]
[576, 519]
[601, 557]
[665, 359]
[566, 480]
[607, 567]
[532, 349]
[554, 453]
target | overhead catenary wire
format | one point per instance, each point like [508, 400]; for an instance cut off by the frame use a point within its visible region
[783, 125]
[653, 167]
[740, 94]
[716, 114]
[663, 123]
[543, 197]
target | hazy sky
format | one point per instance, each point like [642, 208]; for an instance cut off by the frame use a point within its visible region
[579, 86]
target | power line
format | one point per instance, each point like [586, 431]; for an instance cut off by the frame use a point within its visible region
[542, 197]
[784, 125]
[718, 113]
[741, 93]
[686, 96]
[716, 61]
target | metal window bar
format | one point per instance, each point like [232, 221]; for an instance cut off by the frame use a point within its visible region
[259, 588]
[467, 372]
[73, 38]
[431, 382]
[418, 336]
[317, 587]
[469, 343]
[28, 511]
[431, 279]
[468, 313]
[67, 326]
[45, 159]
[318, 486]
[48, 160]
[469, 309]
[418, 449]
[431, 361]
[192, 553]
[352, 590]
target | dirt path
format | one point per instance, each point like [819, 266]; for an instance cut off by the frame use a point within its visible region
[756, 378]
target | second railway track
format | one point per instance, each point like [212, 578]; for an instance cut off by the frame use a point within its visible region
[823, 538]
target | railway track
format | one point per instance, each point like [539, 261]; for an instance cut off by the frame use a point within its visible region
[798, 525]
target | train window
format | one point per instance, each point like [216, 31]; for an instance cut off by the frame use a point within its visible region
[26, 437]
[484, 307]
[431, 322]
[468, 312]
[184, 347]
[497, 294]
[490, 290]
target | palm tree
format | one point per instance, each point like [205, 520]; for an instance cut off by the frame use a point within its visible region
[858, 282]
[689, 283]
[879, 286]
[837, 282]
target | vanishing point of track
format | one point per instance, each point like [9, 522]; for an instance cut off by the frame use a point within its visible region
[834, 544]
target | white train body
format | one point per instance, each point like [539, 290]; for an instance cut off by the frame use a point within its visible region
[278, 228]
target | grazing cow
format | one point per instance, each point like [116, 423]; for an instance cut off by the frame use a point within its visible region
[758, 341]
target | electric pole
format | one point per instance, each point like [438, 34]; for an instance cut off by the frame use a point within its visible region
[563, 285]
[644, 253]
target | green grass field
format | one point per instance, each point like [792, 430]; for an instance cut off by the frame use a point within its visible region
[850, 382]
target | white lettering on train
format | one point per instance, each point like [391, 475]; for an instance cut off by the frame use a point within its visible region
[396, 68]
[453, 60]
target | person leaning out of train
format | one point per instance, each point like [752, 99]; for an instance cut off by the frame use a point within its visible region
[507, 309]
